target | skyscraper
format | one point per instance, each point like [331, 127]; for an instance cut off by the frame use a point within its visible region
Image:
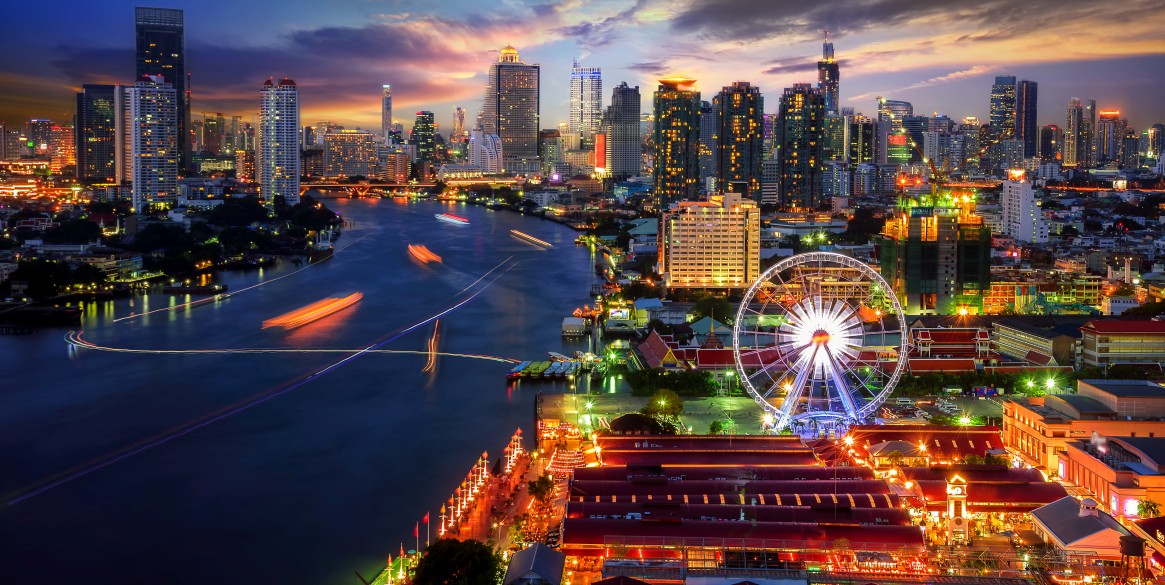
[150, 133]
[63, 150]
[96, 133]
[279, 162]
[161, 50]
[423, 136]
[586, 100]
[676, 167]
[621, 126]
[893, 145]
[799, 146]
[707, 155]
[1110, 131]
[510, 110]
[386, 111]
[1076, 136]
[458, 133]
[1051, 139]
[1002, 115]
[739, 110]
[1027, 128]
[861, 140]
[828, 77]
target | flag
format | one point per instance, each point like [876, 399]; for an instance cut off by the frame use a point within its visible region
[426, 518]
[417, 530]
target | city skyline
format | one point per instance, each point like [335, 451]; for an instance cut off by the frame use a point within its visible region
[436, 61]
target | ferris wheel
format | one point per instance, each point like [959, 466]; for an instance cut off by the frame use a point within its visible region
[820, 342]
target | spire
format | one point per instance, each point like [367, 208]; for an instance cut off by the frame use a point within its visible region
[827, 49]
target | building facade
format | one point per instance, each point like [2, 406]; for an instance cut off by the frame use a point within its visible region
[676, 169]
[621, 127]
[1022, 218]
[1104, 343]
[161, 50]
[799, 145]
[510, 110]
[1027, 129]
[350, 153]
[278, 156]
[424, 136]
[713, 244]
[739, 118]
[828, 77]
[150, 131]
[386, 111]
[96, 134]
[586, 100]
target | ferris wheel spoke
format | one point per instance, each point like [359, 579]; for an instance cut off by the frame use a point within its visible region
[794, 394]
[843, 391]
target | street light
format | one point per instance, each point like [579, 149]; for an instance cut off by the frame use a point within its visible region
[1050, 383]
[589, 405]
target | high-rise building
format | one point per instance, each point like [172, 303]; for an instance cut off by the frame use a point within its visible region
[936, 255]
[386, 111]
[485, 151]
[278, 166]
[96, 134]
[893, 145]
[676, 168]
[458, 133]
[424, 136]
[828, 77]
[621, 127]
[351, 153]
[862, 140]
[1026, 127]
[799, 143]
[713, 244]
[1022, 218]
[510, 110]
[149, 129]
[914, 127]
[936, 147]
[707, 158]
[1110, 131]
[161, 50]
[1077, 136]
[1051, 139]
[1002, 115]
[40, 134]
[586, 100]
[62, 150]
[739, 110]
[835, 130]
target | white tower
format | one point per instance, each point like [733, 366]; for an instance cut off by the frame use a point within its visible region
[278, 165]
[586, 100]
[386, 111]
[148, 127]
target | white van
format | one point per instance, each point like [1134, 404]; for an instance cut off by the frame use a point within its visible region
[905, 401]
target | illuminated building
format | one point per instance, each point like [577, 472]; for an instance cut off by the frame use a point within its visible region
[936, 147]
[245, 165]
[161, 50]
[96, 133]
[677, 141]
[707, 157]
[1110, 131]
[40, 132]
[485, 152]
[213, 129]
[586, 100]
[799, 145]
[915, 128]
[350, 153]
[458, 134]
[278, 156]
[739, 111]
[150, 134]
[1079, 128]
[1119, 471]
[394, 163]
[424, 136]
[62, 149]
[1026, 127]
[828, 77]
[1001, 119]
[1051, 139]
[770, 181]
[1022, 218]
[936, 253]
[1106, 343]
[862, 140]
[835, 134]
[893, 143]
[713, 244]
[621, 126]
[1037, 430]
[549, 149]
[510, 110]
[386, 111]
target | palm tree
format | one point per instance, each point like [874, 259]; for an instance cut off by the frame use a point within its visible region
[1148, 509]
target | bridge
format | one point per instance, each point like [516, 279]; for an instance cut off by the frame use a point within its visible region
[332, 189]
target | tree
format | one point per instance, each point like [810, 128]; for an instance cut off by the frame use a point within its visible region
[450, 561]
[715, 307]
[895, 458]
[77, 231]
[1148, 509]
[664, 403]
[542, 490]
[717, 428]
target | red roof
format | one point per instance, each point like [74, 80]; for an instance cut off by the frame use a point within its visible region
[941, 442]
[1120, 326]
[1037, 358]
[708, 458]
[656, 351]
[986, 497]
[804, 473]
[590, 488]
[677, 511]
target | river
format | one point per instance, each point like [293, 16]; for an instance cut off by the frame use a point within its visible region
[232, 467]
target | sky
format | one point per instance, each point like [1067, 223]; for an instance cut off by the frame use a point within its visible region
[940, 55]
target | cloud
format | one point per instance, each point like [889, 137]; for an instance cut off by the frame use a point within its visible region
[802, 66]
[975, 71]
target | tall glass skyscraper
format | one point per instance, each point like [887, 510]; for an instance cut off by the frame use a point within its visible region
[423, 136]
[799, 146]
[510, 110]
[386, 112]
[161, 50]
[278, 157]
[586, 100]
[739, 134]
[1027, 130]
[893, 144]
[96, 133]
[621, 125]
[828, 77]
[1002, 115]
[677, 141]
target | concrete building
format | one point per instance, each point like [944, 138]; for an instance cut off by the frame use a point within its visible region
[278, 164]
[676, 168]
[1120, 472]
[485, 151]
[1022, 217]
[350, 153]
[713, 244]
[1104, 343]
[149, 153]
[586, 100]
[621, 129]
[510, 110]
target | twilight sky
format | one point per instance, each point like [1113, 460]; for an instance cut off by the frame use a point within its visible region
[940, 55]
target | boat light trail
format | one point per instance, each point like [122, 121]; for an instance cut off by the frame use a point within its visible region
[531, 239]
[313, 312]
[423, 254]
[228, 295]
[75, 339]
[228, 411]
[431, 364]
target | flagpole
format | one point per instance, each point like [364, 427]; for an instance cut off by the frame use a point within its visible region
[427, 530]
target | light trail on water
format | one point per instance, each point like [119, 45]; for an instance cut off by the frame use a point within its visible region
[188, 427]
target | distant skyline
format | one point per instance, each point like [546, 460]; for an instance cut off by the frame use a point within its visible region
[942, 57]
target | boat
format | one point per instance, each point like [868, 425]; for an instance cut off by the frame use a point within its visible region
[322, 249]
[530, 239]
[183, 289]
[453, 219]
[517, 370]
[557, 357]
[313, 312]
[423, 254]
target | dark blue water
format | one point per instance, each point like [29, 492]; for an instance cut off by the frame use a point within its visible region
[308, 485]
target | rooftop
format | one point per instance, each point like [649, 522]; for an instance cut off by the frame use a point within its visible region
[1113, 326]
[1128, 388]
[1063, 521]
